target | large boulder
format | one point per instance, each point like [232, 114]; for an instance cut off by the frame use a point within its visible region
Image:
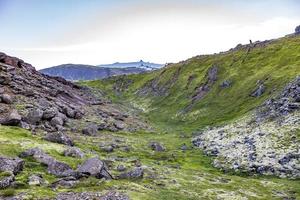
[13, 119]
[94, 167]
[14, 165]
[59, 137]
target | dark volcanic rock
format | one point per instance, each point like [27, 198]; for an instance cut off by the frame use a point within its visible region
[60, 138]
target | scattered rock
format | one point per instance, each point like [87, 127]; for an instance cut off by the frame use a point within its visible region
[50, 113]
[57, 121]
[67, 182]
[36, 180]
[35, 116]
[184, 147]
[59, 137]
[14, 165]
[6, 98]
[121, 168]
[258, 91]
[74, 152]
[114, 196]
[136, 173]
[7, 181]
[119, 125]
[13, 119]
[107, 149]
[55, 167]
[90, 130]
[157, 146]
[225, 84]
[90, 196]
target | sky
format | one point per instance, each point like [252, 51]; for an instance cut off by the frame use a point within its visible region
[51, 32]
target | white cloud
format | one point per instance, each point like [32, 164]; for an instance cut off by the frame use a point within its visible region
[159, 36]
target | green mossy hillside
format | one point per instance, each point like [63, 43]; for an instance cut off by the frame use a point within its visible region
[274, 64]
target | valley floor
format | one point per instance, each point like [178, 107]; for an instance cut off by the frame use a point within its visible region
[171, 174]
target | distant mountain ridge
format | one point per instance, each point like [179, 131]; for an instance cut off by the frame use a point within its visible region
[76, 72]
[140, 64]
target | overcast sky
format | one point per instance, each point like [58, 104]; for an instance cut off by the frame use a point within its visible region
[51, 32]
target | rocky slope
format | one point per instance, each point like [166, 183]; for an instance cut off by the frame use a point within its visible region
[32, 100]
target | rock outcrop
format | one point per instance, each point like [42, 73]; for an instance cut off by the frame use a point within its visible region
[265, 143]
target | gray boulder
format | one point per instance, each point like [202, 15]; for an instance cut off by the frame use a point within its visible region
[94, 167]
[258, 91]
[55, 167]
[50, 113]
[136, 173]
[7, 181]
[157, 146]
[57, 121]
[225, 84]
[90, 130]
[74, 152]
[35, 116]
[59, 137]
[13, 165]
[6, 98]
[60, 169]
[13, 119]
[36, 180]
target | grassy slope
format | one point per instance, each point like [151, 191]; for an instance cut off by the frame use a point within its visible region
[276, 64]
[178, 175]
